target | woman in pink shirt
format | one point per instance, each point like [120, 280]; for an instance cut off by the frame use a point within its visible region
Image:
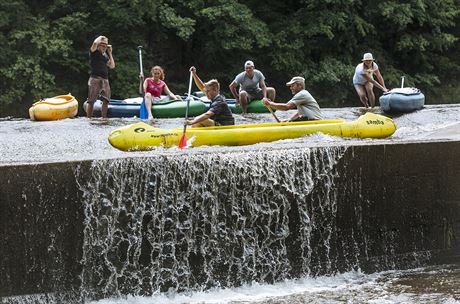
[154, 87]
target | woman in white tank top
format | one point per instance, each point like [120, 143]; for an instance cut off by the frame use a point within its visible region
[364, 82]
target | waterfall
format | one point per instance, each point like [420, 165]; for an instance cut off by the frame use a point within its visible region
[191, 222]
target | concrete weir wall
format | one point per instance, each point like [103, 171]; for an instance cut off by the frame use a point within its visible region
[389, 206]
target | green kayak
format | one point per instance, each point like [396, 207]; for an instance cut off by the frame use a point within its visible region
[256, 106]
[165, 109]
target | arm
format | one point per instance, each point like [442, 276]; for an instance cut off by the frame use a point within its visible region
[199, 83]
[170, 94]
[264, 88]
[141, 84]
[200, 118]
[145, 85]
[380, 79]
[95, 44]
[233, 87]
[111, 62]
[280, 106]
[294, 117]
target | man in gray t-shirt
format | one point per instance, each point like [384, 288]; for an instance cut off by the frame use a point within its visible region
[252, 86]
[307, 107]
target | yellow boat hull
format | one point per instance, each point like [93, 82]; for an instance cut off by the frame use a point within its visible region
[55, 108]
[141, 136]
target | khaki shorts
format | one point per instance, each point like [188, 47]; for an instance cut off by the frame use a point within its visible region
[98, 87]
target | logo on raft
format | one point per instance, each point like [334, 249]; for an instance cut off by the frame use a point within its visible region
[141, 130]
[163, 135]
[375, 122]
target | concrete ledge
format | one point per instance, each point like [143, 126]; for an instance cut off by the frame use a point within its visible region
[374, 207]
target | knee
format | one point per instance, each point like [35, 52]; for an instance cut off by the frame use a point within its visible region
[362, 96]
[243, 94]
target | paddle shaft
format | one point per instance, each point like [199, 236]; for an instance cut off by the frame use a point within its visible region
[273, 113]
[141, 69]
[378, 85]
[188, 102]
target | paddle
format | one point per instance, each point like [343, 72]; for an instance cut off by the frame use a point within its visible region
[378, 85]
[143, 114]
[183, 140]
[273, 113]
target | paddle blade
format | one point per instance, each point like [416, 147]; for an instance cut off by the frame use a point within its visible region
[183, 141]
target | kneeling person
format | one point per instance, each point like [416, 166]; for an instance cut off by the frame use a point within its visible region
[219, 114]
[307, 107]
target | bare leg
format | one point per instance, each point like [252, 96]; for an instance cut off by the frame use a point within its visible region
[205, 123]
[370, 94]
[89, 110]
[244, 101]
[362, 95]
[104, 108]
[271, 93]
[148, 105]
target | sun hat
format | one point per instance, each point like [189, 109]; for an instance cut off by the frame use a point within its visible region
[368, 56]
[248, 63]
[296, 79]
[104, 40]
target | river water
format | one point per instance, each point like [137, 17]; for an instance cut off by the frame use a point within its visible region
[437, 284]
[27, 142]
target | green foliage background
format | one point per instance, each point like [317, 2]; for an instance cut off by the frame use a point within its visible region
[44, 45]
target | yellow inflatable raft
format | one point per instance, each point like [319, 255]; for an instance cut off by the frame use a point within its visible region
[57, 107]
[141, 136]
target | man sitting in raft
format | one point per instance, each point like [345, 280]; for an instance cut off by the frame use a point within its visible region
[307, 107]
[219, 111]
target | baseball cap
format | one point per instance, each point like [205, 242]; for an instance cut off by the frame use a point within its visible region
[248, 63]
[296, 79]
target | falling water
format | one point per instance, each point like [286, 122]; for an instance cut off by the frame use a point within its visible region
[189, 223]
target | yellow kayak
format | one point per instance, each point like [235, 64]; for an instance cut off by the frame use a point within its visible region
[141, 136]
[58, 107]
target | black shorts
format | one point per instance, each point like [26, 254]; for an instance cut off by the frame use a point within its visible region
[224, 122]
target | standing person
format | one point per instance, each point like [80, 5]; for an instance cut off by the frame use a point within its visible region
[252, 86]
[364, 82]
[154, 87]
[101, 59]
[219, 113]
[307, 107]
